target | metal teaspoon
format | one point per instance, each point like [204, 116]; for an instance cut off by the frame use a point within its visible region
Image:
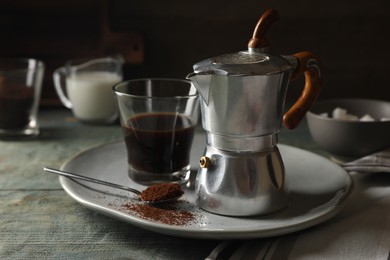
[173, 191]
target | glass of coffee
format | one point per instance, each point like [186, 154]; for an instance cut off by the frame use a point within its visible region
[158, 117]
[20, 91]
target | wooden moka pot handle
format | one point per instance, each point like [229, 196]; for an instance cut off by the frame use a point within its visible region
[258, 40]
[308, 64]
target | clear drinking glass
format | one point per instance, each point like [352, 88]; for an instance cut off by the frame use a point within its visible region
[20, 91]
[158, 118]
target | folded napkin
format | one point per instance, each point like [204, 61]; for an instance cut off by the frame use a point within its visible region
[377, 162]
[272, 249]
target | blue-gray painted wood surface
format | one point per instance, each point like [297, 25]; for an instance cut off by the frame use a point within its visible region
[38, 220]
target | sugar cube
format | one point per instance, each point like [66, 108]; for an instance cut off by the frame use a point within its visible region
[339, 113]
[367, 118]
[324, 114]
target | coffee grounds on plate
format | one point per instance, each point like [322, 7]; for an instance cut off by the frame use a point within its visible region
[165, 214]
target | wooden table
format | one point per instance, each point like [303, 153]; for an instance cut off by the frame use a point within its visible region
[39, 220]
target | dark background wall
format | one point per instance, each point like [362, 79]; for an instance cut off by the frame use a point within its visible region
[164, 38]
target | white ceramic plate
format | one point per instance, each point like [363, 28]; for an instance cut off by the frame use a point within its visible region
[319, 189]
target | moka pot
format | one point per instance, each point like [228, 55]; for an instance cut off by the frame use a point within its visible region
[242, 103]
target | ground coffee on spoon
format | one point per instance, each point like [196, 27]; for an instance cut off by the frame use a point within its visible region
[161, 192]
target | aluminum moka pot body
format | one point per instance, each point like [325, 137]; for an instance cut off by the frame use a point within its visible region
[243, 172]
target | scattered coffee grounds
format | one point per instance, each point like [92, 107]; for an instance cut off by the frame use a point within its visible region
[168, 214]
[161, 192]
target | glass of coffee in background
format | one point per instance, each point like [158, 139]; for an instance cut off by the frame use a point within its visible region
[158, 118]
[20, 91]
